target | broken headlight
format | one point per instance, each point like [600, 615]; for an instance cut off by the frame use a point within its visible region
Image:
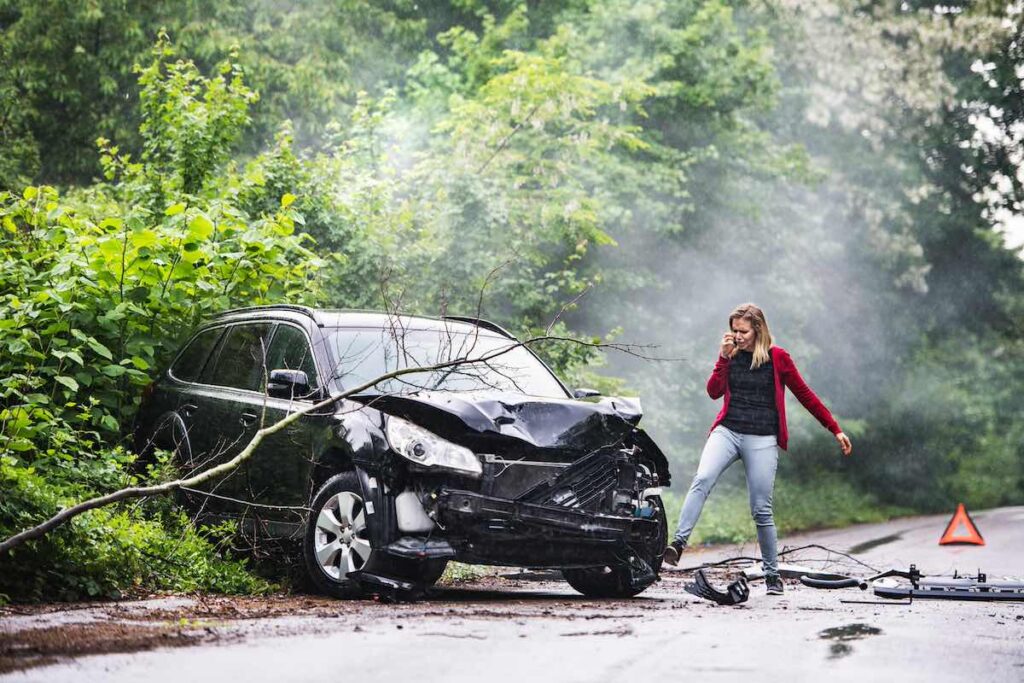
[428, 449]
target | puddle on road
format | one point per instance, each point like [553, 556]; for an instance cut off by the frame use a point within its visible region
[874, 543]
[841, 635]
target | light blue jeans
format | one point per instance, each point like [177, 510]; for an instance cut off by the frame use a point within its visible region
[760, 456]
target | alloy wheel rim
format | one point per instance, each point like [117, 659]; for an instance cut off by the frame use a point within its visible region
[340, 541]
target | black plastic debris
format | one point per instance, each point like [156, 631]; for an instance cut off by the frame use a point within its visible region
[641, 574]
[738, 591]
[388, 589]
[418, 548]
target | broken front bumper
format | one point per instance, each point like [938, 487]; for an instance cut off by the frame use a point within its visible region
[492, 530]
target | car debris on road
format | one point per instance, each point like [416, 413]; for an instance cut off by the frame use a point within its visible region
[970, 588]
[738, 591]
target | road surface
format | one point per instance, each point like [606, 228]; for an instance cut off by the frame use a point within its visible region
[520, 629]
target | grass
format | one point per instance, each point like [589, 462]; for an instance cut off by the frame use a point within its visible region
[828, 502]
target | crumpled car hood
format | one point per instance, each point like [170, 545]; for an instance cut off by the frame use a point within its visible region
[494, 418]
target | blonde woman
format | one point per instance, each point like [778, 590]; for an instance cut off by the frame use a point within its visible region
[752, 375]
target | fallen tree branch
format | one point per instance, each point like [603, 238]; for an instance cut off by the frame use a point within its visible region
[246, 503]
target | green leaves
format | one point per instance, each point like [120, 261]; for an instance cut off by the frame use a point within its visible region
[67, 381]
[189, 121]
[97, 348]
[98, 287]
[200, 227]
[109, 551]
[113, 370]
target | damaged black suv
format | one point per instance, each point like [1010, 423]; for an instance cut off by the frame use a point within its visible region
[488, 461]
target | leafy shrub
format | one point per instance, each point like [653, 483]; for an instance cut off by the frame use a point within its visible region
[98, 287]
[110, 551]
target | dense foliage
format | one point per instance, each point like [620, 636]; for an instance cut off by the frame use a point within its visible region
[98, 288]
[849, 165]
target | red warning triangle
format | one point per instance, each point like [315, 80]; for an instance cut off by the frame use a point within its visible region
[961, 530]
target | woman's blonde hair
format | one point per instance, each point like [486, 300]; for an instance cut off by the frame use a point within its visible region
[763, 336]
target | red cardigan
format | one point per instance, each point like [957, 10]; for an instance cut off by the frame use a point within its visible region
[786, 375]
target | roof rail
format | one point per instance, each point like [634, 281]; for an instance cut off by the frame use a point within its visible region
[305, 310]
[481, 323]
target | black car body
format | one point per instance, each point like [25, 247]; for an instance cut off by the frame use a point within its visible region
[490, 461]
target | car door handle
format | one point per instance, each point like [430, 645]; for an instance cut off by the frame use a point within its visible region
[188, 409]
[247, 418]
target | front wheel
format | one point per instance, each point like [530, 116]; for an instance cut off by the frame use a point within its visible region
[615, 580]
[337, 542]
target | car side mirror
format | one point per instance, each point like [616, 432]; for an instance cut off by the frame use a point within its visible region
[585, 393]
[287, 383]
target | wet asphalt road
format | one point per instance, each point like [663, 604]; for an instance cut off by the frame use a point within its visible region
[525, 630]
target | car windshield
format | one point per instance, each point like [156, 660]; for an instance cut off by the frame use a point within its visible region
[492, 362]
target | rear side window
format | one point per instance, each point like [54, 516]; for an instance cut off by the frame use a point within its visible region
[241, 361]
[191, 361]
[290, 351]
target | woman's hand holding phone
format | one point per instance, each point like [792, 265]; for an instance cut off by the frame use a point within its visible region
[729, 348]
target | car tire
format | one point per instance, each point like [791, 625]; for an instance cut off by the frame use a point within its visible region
[612, 581]
[337, 541]
[172, 436]
[168, 435]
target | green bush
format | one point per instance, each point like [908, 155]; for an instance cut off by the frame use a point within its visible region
[108, 552]
[98, 286]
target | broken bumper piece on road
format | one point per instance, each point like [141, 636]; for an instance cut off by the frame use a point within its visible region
[737, 592]
[387, 588]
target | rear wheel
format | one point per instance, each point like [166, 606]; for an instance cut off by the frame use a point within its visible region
[337, 541]
[614, 580]
[169, 435]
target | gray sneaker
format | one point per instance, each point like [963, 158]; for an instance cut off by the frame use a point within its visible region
[774, 583]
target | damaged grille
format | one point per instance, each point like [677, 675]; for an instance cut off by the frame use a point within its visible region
[511, 478]
[590, 483]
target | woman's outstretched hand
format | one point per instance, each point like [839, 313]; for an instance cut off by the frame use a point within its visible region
[844, 443]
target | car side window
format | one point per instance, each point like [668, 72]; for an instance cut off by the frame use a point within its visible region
[190, 363]
[240, 363]
[289, 350]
